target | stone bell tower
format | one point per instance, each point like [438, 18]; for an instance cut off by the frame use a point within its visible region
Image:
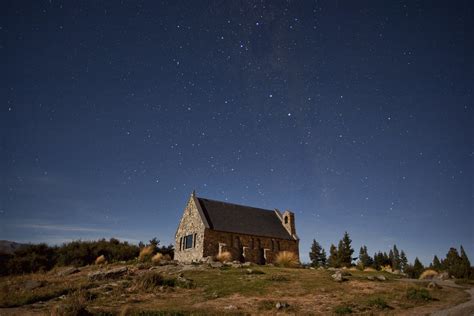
[288, 221]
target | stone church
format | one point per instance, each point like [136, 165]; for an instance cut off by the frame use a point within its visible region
[210, 227]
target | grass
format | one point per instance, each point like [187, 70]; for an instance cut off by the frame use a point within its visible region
[417, 294]
[379, 303]
[342, 310]
[156, 259]
[100, 260]
[224, 256]
[287, 259]
[146, 254]
[428, 274]
[168, 290]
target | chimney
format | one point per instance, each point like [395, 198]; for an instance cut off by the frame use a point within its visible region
[288, 221]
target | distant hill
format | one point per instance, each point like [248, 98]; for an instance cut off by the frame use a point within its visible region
[9, 247]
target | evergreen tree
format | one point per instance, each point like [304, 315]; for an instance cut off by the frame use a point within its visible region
[403, 261]
[378, 260]
[364, 259]
[396, 258]
[386, 260]
[452, 263]
[345, 251]
[465, 265]
[436, 265]
[315, 254]
[323, 259]
[333, 260]
[417, 268]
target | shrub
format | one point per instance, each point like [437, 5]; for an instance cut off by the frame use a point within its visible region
[379, 303]
[151, 280]
[342, 310]
[428, 274]
[146, 254]
[157, 258]
[224, 256]
[74, 304]
[100, 260]
[287, 259]
[419, 294]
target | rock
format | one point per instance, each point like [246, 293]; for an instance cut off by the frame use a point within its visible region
[68, 271]
[112, 273]
[236, 265]
[332, 269]
[371, 278]
[312, 268]
[207, 259]
[381, 278]
[442, 276]
[216, 265]
[281, 305]
[321, 268]
[338, 276]
[230, 307]
[33, 284]
[433, 285]
[246, 264]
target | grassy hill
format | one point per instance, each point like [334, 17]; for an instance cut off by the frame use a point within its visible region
[143, 289]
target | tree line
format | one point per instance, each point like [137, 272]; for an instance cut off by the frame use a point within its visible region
[457, 265]
[41, 257]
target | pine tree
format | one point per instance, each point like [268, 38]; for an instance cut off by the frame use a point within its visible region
[396, 258]
[417, 268]
[452, 263]
[322, 258]
[333, 260]
[465, 265]
[436, 265]
[378, 260]
[315, 254]
[364, 259]
[403, 261]
[345, 251]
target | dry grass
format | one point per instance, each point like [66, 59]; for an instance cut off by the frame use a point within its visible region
[156, 259]
[100, 260]
[428, 274]
[146, 254]
[74, 304]
[287, 259]
[224, 256]
[387, 269]
[370, 270]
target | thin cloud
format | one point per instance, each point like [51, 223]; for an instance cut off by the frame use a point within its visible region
[63, 228]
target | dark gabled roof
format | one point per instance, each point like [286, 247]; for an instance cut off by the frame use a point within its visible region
[242, 219]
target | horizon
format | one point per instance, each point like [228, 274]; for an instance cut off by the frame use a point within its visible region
[358, 117]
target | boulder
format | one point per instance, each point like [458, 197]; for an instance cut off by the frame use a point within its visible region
[371, 278]
[246, 264]
[230, 307]
[338, 277]
[216, 264]
[381, 278]
[433, 285]
[442, 276]
[281, 305]
[33, 284]
[68, 271]
[110, 274]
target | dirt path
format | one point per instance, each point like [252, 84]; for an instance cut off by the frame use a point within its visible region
[464, 309]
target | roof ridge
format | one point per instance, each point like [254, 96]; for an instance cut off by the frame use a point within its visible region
[257, 208]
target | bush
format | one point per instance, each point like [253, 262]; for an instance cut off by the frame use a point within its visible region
[146, 254]
[157, 258]
[342, 310]
[152, 280]
[224, 256]
[428, 274]
[100, 260]
[419, 294]
[74, 304]
[286, 259]
[379, 303]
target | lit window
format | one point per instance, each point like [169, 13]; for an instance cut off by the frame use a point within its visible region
[188, 242]
[286, 219]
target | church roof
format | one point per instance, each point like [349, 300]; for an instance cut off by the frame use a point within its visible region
[242, 219]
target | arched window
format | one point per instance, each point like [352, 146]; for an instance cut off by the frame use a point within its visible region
[286, 219]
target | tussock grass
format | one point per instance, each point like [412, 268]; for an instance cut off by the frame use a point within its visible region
[74, 304]
[224, 256]
[100, 260]
[156, 259]
[379, 303]
[146, 254]
[287, 259]
[370, 270]
[342, 310]
[151, 280]
[419, 294]
[428, 274]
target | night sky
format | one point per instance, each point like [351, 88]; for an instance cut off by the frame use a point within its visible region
[357, 116]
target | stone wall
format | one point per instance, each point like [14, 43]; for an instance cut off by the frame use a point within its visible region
[190, 224]
[256, 249]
